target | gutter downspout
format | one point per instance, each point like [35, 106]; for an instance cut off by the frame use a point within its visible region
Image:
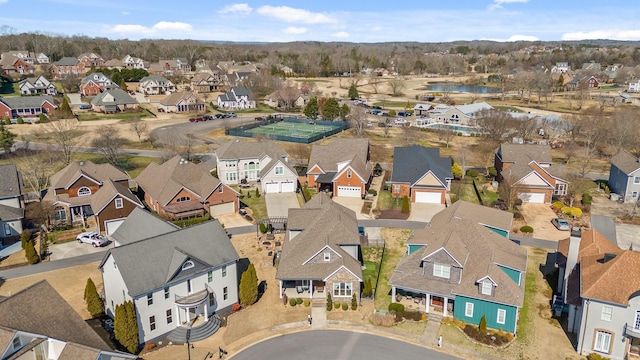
[584, 328]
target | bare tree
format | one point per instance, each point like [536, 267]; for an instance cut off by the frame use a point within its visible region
[140, 127]
[374, 82]
[37, 169]
[507, 190]
[109, 143]
[187, 143]
[623, 130]
[446, 135]
[495, 124]
[287, 97]
[64, 133]
[525, 127]
[397, 86]
[41, 212]
[358, 120]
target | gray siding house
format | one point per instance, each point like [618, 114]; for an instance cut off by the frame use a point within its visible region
[11, 205]
[624, 176]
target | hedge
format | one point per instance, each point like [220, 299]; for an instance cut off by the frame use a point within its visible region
[526, 229]
[396, 307]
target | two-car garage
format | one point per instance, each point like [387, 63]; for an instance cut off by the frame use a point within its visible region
[535, 198]
[428, 197]
[277, 187]
[349, 191]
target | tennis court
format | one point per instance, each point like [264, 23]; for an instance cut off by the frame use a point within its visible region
[297, 130]
[293, 129]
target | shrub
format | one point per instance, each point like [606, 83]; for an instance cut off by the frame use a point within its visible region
[307, 303]
[263, 228]
[307, 193]
[410, 315]
[372, 192]
[385, 187]
[472, 173]
[392, 113]
[594, 356]
[576, 212]
[248, 194]
[345, 306]
[298, 301]
[586, 199]
[406, 205]
[19, 120]
[482, 328]
[126, 326]
[492, 171]
[257, 193]
[25, 238]
[354, 302]
[396, 308]
[382, 320]
[30, 253]
[557, 205]
[235, 307]
[336, 305]
[367, 290]
[329, 302]
[248, 293]
[526, 229]
[42, 118]
[292, 302]
[92, 299]
[149, 346]
[517, 202]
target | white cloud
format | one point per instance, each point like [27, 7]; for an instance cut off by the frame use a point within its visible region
[125, 13]
[341, 34]
[289, 14]
[243, 9]
[603, 34]
[160, 27]
[497, 4]
[513, 38]
[376, 28]
[4, 1]
[292, 30]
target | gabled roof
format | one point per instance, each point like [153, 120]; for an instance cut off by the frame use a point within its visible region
[592, 243]
[120, 97]
[324, 224]
[97, 77]
[524, 153]
[17, 102]
[612, 277]
[176, 97]
[626, 162]
[480, 214]
[98, 172]
[145, 264]
[238, 149]
[108, 192]
[470, 109]
[163, 182]
[156, 78]
[240, 91]
[10, 182]
[67, 61]
[353, 152]
[113, 63]
[31, 310]
[8, 213]
[140, 225]
[411, 163]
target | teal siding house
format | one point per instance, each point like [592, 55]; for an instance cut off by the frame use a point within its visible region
[461, 266]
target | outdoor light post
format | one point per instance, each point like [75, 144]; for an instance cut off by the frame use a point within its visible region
[188, 336]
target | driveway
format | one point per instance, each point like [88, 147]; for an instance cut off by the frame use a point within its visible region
[354, 204]
[539, 216]
[75, 99]
[278, 204]
[628, 235]
[233, 220]
[73, 248]
[424, 212]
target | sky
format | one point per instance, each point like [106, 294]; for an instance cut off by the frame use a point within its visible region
[327, 20]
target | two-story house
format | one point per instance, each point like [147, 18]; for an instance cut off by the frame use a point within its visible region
[182, 102]
[67, 66]
[624, 176]
[181, 189]
[239, 162]
[26, 107]
[460, 114]
[37, 86]
[238, 98]
[132, 62]
[529, 171]
[10, 65]
[90, 59]
[11, 204]
[464, 269]
[85, 192]
[561, 67]
[95, 83]
[342, 167]
[206, 82]
[156, 85]
[173, 278]
[321, 253]
[421, 174]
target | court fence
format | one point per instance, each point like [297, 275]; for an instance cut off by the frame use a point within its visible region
[294, 135]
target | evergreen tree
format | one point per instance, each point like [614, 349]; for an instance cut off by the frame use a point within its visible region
[331, 109]
[30, 253]
[483, 325]
[344, 111]
[311, 109]
[329, 302]
[64, 112]
[123, 85]
[25, 238]
[92, 299]
[353, 92]
[257, 193]
[6, 139]
[406, 205]
[249, 286]
[125, 326]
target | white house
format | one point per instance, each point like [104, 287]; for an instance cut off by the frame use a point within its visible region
[11, 205]
[36, 86]
[252, 161]
[634, 86]
[131, 62]
[173, 276]
[237, 98]
[460, 114]
[155, 85]
[561, 67]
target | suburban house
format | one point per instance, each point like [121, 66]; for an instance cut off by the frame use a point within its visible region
[592, 65]
[26, 106]
[289, 98]
[132, 62]
[463, 269]
[561, 67]
[205, 82]
[28, 57]
[67, 66]
[179, 189]
[238, 98]
[239, 161]
[172, 278]
[342, 167]
[155, 85]
[113, 64]
[182, 101]
[29, 330]
[624, 176]
[460, 114]
[170, 66]
[590, 82]
[528, 169]
[84, 192]
[11, 204]
[90, 59]
[37, 86]
[95, 83]
[421, 174]
[604, 307]
[11, 65]
[321, 253]
[113, 101]
[634, 86]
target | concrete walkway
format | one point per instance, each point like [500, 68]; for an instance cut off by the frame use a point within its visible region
[432, 331]
[319, 316]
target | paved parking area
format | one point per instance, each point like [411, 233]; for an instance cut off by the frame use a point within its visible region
[424, 212]
[539, 216]
[278, 204]
[354, 204]
[73, 249]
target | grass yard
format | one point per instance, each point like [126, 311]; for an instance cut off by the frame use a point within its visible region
[88, 116]
[257, 205]
[386, 201]
[394, 250]
[133, 165]
[463, 190]
[372, 256]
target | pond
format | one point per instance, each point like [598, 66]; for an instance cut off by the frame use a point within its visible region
[442, 87]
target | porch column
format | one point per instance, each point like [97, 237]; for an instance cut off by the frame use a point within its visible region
[393, 294]
[444, 307]
[427, 302]
[187, 315]
[310, 289]
[206, 312]
[280, 288]
[178, 315]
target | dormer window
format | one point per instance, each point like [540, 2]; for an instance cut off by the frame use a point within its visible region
[441, 270]
[17, 343]
[327, 256]
[187, 265]
[486, 287]
[84, 191]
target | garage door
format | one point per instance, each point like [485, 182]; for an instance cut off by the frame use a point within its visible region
[537, 198]
[271, 187]
[428, 197]
[222, 209]
[112, 226]
[349, 191]
[288, 186]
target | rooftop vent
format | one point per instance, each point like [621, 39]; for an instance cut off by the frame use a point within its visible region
[81, 163]
[608, 257]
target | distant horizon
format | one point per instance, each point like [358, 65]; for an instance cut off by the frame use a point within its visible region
[280, 21]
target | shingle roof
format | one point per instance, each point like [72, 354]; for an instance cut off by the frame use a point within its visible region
[176, 97]
[615, 280]
[140, 225]
[470, 109]
[113, 63]
[10, 213]
[626, 162]
[107, 192]
[145, 265]
[592, 243]
[325, 225]
[97, 77]
[10, 184]
[16, 102]
[157, 78]
[99, 172]
[413, 162]
[26, 311]
[66, 61]
[240, 91]
[480, 214]
[119, 97]
[525, 153]
[163, 182]
[73, 352]
[354, 152]
[238, 149]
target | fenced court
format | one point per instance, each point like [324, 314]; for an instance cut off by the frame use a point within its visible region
[303, 131]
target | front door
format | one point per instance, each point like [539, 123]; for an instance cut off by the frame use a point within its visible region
[636, 324]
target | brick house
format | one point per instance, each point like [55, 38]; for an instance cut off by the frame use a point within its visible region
[67, 66]
[95, 83]
[113, 101]
[11, 65]
[90, 59]
[181, 102]
[26, 106]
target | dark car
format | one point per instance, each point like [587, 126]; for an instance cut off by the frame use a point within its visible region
[404, 113]
[219, 116]
[260, 118]
[231, 115]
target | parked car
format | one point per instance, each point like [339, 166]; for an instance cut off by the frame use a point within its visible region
[404, 113]
[92, 238]
[85, 107]
[260, 118]
[400, 121]
[561, 224]
[231, 115]
[376, 112]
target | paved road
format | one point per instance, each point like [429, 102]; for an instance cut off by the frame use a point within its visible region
[51, 265]
[200, 128]
[336, 344]
[529, 241]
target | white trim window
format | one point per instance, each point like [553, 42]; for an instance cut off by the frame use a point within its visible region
[152, 323]
[225, 293]
[169, 317]
[636, 179]
[468, 309]
[188, 265]
[327, 256]
[607, 313]
[279, 170]
[224, 271]
[441, 270]
[603, 342]
[231, 176]
[342, 289]
[486, 287]
[84, 191]
[502, 316]
[150, 299]
[7, 229]
[119, 203]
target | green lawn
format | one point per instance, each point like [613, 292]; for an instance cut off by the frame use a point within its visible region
[372, 257]
[463, 190]
[488, 196]
[257, 204]
[386, 201]
[394, 104]
[393, 252]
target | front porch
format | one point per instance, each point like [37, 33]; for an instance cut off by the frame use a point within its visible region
[428, 303]
[306, 289]
[196, 320]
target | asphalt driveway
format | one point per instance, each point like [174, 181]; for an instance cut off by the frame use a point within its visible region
[424, 212]
[278, 204]
[539, 216]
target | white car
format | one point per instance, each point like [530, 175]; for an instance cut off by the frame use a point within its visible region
[92, 238]
[400, 121]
